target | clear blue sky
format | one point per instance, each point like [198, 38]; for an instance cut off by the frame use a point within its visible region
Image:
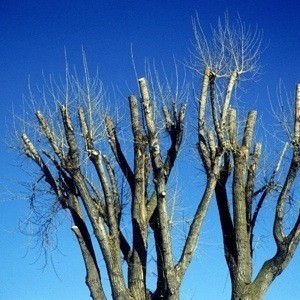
[33, 35]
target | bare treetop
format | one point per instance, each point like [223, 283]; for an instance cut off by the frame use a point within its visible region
[120, 192]
[229, 48]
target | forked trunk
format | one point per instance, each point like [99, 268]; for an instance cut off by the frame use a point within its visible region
[242, 291]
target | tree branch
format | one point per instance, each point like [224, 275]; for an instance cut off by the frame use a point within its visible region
[117, 151]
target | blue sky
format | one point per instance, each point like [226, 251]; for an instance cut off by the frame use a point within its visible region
[33, 35]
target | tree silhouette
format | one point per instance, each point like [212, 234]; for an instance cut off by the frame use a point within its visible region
[75, 143]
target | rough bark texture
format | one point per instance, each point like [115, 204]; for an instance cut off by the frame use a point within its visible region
[240, 160]
[72, 148]
[92, 175]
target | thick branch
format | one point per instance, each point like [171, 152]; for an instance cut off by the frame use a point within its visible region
[249, 129]
[250, 185]
[176, 134]
[118, 153]
[204, 154]
[202, 102]
[93, 279]
[160, 185]
[193, 234]
[229, 89]
[73, 154]
[137, 267]
[267, 188]
[48, 132]
[232, 128]
[110, 253]
[93, 275]
[214, 107]
[227, 227]
[240, 214]
[32, 153]
[293, 170]
[281, 202]
[297, 116]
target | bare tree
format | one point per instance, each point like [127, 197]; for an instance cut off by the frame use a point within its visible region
[75, 143]
[226, 56]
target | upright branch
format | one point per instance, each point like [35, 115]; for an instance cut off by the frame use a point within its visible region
[118, 153]
[160, 187]
[137, 266]
[93, 180]
[286, 242]
[211, 149]
[68, 200]
[242, 157]
[229, 89]
[228, 56]
[292, 172]
[119, 192]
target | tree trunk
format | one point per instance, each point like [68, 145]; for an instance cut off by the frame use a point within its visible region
[243, 291]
